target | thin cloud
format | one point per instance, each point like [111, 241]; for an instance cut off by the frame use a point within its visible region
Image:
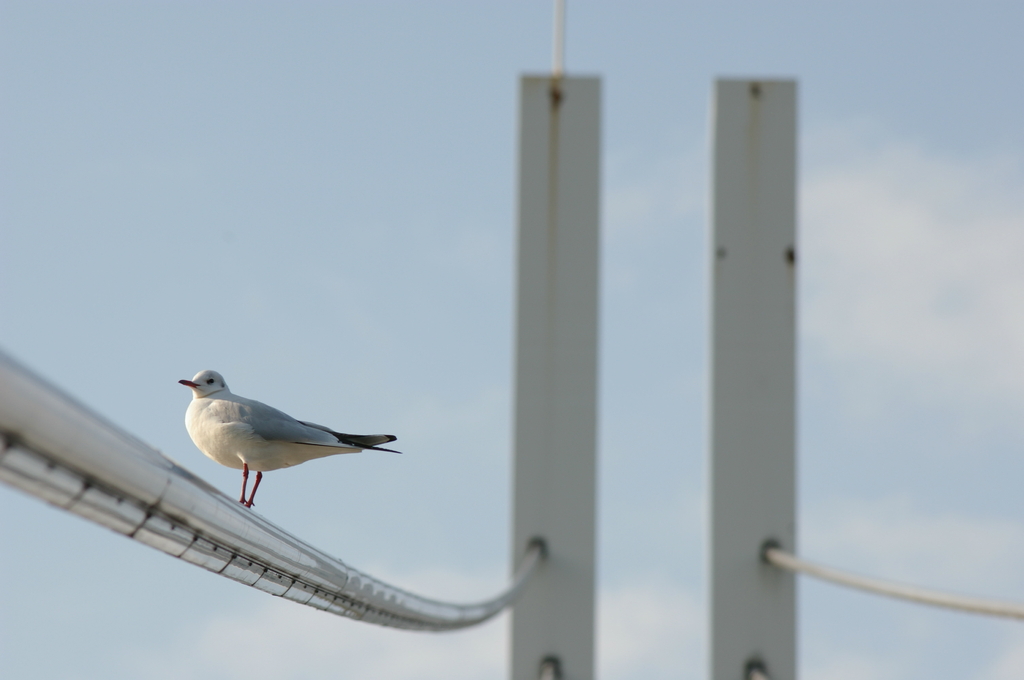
[911, 265]
[1009, 664]
[651, 629]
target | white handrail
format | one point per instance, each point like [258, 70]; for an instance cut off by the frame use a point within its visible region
[773, 554]
[58, 450]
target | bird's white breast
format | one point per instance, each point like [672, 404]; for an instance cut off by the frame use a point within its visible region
[221, 438]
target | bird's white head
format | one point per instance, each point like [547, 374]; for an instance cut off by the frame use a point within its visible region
[206, 383]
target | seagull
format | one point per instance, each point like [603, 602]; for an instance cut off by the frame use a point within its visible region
[243, 433]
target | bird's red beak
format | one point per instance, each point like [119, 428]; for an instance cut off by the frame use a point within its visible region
[188, 383]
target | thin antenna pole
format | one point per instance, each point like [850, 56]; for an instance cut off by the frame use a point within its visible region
[558, 55]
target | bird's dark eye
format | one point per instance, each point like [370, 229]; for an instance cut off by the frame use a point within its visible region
[210, 381]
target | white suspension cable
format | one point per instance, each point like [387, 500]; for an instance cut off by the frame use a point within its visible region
[778, 557]
[56, 449]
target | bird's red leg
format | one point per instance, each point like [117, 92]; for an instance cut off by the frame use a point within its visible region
[245, 480]
[259, 476]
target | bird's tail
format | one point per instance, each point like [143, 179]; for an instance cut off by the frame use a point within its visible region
[362, 441]
[367, 441]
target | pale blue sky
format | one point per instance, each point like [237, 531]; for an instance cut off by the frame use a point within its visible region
[317, 200]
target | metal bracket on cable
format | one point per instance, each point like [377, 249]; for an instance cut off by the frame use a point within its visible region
[550, 668]
[773, 554]
[54, 448]
[756, 670]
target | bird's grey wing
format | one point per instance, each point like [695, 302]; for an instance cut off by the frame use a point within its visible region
[324, 428]
[277, 426]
